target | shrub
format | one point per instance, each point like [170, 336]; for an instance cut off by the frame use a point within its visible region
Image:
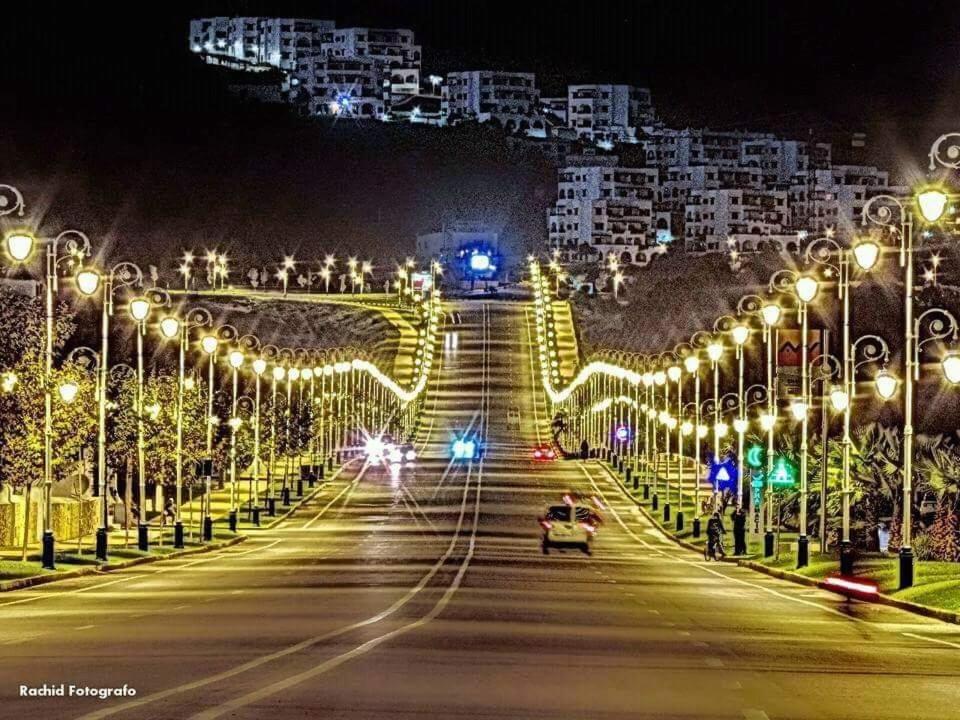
[923, 547]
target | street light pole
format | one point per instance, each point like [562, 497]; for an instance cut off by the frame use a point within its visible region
[892, 215]
[140, 310]
[124, 274]
[19, 247]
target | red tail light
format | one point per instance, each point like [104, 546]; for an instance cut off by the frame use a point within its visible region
[850, 586]
[588, 527]
[537, 454]
[546, 524]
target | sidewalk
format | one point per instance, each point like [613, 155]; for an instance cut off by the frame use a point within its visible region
[122, 545]
[936, 591]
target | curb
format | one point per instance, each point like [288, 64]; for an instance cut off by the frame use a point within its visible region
[948, 616]
[306, 498]
[656, 523]
[34, 580]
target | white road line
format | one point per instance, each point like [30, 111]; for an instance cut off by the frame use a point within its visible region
[699, 565]
[933, 640]
[309, 642]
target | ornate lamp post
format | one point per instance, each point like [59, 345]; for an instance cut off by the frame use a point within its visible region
[173, 327]
[838, 262]
[20, 247]
[896, 218]
[89, 281]
[769, 313]
[804, 289]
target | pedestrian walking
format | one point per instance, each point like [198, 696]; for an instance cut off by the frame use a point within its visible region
[739, 531]
[715, 533]
[584, 449]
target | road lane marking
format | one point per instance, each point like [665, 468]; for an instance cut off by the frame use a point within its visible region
[933, 640]
[366, 647]
[303, 644]
[76, 591]
[699, 564]
[84, 627]
[755, 715]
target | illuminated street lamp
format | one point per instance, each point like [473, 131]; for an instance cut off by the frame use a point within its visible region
[951, 368]
[235, 358]
[174, 328]
[895, 217]
[20, 247]
[259, 368]
[139, 310]
[68, 391]
[89, 282]
[805, 289]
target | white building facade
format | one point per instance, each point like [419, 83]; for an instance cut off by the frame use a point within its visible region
[256, 42]
[509, 98]
[603, 209]
[608, 113]
[394, 50]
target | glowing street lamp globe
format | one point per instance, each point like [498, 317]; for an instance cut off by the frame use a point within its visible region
[740, 333]
[306, 374]
[740, 426]
[767, 422]
[798, 409]
[279, 373]
[673, 372]
[659, 377]
[866, 253]
[235, 358]
[839, 399]
[209, 344]
[293, 373]
[886, 384]
[806, 288]
[721, 429]
[68, 391]
[703, 431]
[88, 281]
[771, 314]
[951, 368]
[691, 363]
[686, 428]
[259, 366]
[932, 203]
[715, 351]
[20, 245]
[170, 327]
[139, 309]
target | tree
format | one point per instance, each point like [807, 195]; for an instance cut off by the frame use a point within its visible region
[22, 322]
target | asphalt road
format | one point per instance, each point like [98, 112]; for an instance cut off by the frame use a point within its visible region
[422, 592]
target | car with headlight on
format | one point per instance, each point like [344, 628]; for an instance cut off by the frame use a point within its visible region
[569, 526]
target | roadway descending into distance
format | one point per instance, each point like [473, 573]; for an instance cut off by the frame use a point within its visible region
[421, 591]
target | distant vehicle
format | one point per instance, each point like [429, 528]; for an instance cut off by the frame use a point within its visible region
[464, 448]
[544, 453]
[513, 415]
[569, 526]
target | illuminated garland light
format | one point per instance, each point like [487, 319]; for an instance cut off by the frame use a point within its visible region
[620, 399]
[549, 372]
